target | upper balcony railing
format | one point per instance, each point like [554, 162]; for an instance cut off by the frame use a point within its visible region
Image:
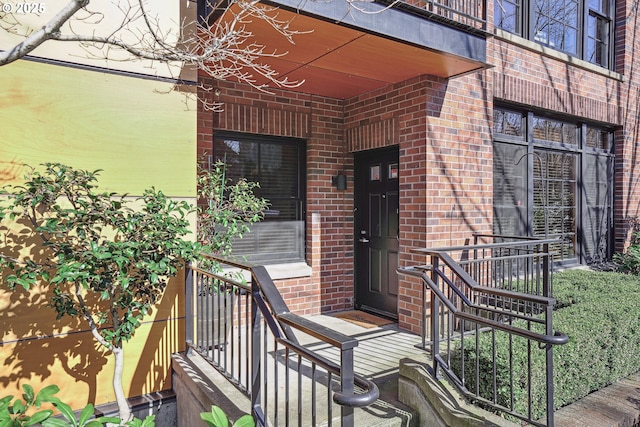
[471, 14]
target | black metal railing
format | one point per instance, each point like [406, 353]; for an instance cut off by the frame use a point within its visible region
[488, 312]
[471, 14]
[238, 321]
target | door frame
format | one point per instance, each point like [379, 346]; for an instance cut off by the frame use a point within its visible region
[390, 155]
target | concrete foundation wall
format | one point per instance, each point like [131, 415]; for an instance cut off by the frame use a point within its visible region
[198, 386]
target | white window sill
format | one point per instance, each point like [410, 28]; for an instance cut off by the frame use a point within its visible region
[291, 270]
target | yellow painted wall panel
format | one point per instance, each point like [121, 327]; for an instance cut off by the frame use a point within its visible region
[73, 360]
[137, 130]
[141, 136]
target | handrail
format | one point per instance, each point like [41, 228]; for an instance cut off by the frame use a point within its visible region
[469, 281]
[556, 339]
[458, 302]
[267, 303]
[341, 341]
[439, 250]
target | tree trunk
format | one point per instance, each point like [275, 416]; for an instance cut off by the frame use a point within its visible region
[124, 410]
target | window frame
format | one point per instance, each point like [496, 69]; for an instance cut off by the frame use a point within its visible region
[586, 251]
[295, 225]
[524, 23]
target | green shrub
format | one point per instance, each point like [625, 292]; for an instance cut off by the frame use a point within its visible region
[25, 412]
[217, 418]
[600, 313]
[629, 261]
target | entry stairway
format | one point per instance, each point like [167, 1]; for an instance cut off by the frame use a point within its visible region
[401, 370]
[377, 357]
[325, 371]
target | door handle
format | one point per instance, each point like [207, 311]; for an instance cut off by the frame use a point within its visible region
[363, 240]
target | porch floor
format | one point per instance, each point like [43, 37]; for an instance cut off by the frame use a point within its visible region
[377, 358]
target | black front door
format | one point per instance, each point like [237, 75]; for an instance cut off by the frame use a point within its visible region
[376, 231]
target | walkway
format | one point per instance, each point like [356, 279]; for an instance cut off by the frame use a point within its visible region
[615, 406]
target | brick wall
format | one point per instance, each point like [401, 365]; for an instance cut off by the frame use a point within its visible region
[443, 130]
[445, 164]
[534, 79]
[320, 122]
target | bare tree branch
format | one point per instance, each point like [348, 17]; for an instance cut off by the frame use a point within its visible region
[226, 50]
[47, 32]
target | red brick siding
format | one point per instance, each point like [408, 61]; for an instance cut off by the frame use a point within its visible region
[320, 122]
[534, 80]
[444, 131]
[445, 165]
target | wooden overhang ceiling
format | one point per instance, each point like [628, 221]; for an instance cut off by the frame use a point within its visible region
[348, 52]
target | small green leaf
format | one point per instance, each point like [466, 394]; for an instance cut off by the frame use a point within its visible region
[65, 410]
[55, 422]
[215, 418]
[244, 421]
[28, 394]
[86, 413]
[105, 420]
[39, 417]
[18, 407]
[150, 421]
[5, 402]
[46, 394]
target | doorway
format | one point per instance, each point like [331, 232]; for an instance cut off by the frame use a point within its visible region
[376, 219]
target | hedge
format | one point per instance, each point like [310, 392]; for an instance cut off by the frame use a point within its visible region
[600, 313]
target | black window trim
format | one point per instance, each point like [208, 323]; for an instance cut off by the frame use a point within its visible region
[582, 150]
[525, 21]
[301, 176]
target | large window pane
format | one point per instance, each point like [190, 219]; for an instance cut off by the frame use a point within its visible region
[597, 39]
[556, 24]
[558, 205]
[510, 189]
[277, 164]
[597, 195]
[560, 25]
[554, 199]
[507, 15]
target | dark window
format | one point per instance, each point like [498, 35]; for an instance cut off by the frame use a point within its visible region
[598, 32]
[555, 24]
[508, 123]
[554, 131]
[581, 28]
[510, 189]
[554, 199]
[278, 165]
[552, 183]
[508, 15]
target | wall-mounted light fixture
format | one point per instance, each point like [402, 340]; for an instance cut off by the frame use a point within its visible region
[339, 181]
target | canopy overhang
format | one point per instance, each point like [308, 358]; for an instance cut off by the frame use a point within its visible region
[348, 51]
